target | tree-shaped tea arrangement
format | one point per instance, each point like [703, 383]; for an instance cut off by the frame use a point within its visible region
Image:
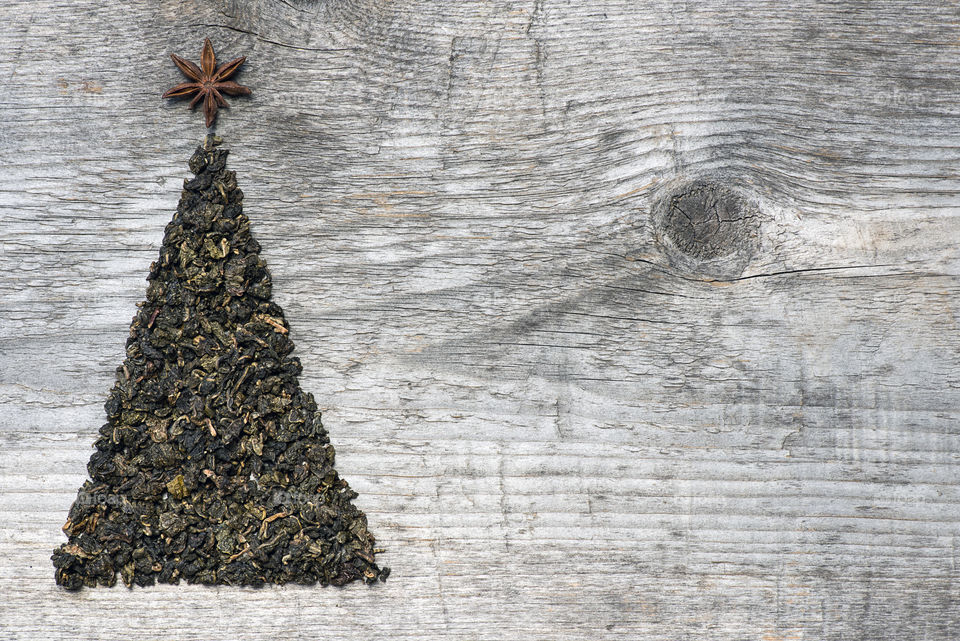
[213, 466]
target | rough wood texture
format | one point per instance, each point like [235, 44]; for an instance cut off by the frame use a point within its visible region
[561, 424]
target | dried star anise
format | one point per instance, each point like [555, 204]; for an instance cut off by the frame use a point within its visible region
[208, 81]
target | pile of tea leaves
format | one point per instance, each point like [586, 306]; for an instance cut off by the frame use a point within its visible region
[213, 466]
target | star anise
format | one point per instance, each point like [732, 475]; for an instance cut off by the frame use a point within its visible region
[208, 81]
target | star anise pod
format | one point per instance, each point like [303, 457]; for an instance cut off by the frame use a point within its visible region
[208, 81]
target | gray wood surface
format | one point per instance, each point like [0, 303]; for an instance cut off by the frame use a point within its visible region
[561, 425]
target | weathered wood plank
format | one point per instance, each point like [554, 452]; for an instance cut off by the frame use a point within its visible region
[560, 424]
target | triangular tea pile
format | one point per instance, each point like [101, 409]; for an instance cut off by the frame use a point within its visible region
[214, 467]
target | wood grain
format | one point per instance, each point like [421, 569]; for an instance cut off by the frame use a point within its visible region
[560, 424]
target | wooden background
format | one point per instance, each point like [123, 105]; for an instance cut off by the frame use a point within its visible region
[561, 426]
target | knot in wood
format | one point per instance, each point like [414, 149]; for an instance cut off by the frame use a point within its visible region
[708, 221]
